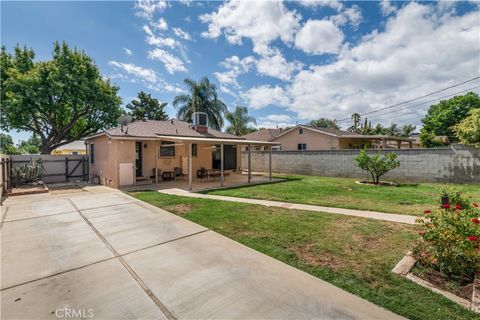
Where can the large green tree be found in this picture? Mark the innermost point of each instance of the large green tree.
(32, 145)
(147, 108)
(201, 97)
(6, 144)
(60, 100)
(324, 123)
(239, 120)
(468, 130)
(443, 116)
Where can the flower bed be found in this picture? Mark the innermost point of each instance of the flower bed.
(447, 255)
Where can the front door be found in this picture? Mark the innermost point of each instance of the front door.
(138, 159)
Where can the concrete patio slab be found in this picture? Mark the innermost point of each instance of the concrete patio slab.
(40, 247)
(90, 201)
(105, 290)
(29, 208)
(210, 276)
(133, 226)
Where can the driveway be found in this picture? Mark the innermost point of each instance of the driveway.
(105, 255)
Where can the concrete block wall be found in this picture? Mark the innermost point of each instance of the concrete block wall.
(455, 164)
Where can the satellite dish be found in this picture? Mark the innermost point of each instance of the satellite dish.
(124, 121)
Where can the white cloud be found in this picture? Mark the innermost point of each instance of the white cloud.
(182, 34)
(352, 15)
(128, 51)
(386, 7)
(319, 37)
(146, 8)
(139, 72)
(334, 4)
(172, 63)
(275, 121)
(158, 40)
(235, 67)
(278, 118)
(277, 66)
(260, 21)
(263, 96)
(419, 52)
(161, 25)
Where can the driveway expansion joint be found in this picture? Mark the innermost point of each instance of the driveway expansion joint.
(132, 272)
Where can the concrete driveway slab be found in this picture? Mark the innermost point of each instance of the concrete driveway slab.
(210, 276)
(133, 226)
(105, 290)
(40, 247)
(29, 208)
(89, 201)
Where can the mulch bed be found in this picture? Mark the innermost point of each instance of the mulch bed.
(28, 189)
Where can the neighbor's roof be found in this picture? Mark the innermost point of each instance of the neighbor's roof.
(151, 129)
(75, 145)
(342, 134)
(263, 134)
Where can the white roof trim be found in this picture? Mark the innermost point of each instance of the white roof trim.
(304, 127)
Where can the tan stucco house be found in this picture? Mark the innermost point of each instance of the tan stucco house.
(303, 137)
(156, 150)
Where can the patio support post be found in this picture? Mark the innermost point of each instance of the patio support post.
(190, 167)
(384, 143)
(270, 163)
(221, 165)
(249, 162)
(410, 144)
(155, 159)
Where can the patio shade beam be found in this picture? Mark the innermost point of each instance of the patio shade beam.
(249, 162)
(190, 167)
(221, 165)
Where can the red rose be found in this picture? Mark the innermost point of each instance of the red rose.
(472, 238)
(458, 207)
(476, 220)
(427, 211)
(446, 206)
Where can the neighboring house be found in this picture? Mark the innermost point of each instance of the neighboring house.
(302, 137)
(151, 149)
(263, 135)
(417, 144)
(75, 147)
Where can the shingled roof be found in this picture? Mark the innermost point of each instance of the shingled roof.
(154, 129)
(263, 134)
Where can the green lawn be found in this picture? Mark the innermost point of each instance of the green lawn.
(356, 254)
(410, 199)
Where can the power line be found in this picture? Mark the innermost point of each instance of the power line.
(414, 99)
(375, 117)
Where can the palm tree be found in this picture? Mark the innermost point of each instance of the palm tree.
(201, 97)
(239, 120)
(356, 121)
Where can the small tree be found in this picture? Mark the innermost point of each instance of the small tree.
(376, 164)
(468, 131)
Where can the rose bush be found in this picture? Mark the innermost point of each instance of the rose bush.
(450, 239)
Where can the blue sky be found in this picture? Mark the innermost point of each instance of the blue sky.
(288, 62)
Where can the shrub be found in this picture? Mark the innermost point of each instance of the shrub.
(377, 165)
(450, 241)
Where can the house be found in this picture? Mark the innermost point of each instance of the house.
(303, 137)
(73, 148)
(417, 144)
(263, 135)
(159, 150)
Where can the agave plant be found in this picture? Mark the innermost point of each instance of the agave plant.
(17, 175)
(33, 171)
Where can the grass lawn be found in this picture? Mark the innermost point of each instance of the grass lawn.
(353, 253)
(410, 199)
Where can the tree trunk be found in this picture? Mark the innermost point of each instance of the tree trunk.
(46, 149)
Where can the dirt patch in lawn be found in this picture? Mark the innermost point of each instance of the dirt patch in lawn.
(180, 209)
(308, 255)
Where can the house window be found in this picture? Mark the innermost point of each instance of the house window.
(74, 153)
(302, 146)
(300, 131)
(194, 149)
(167, 149)
(92, 153)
